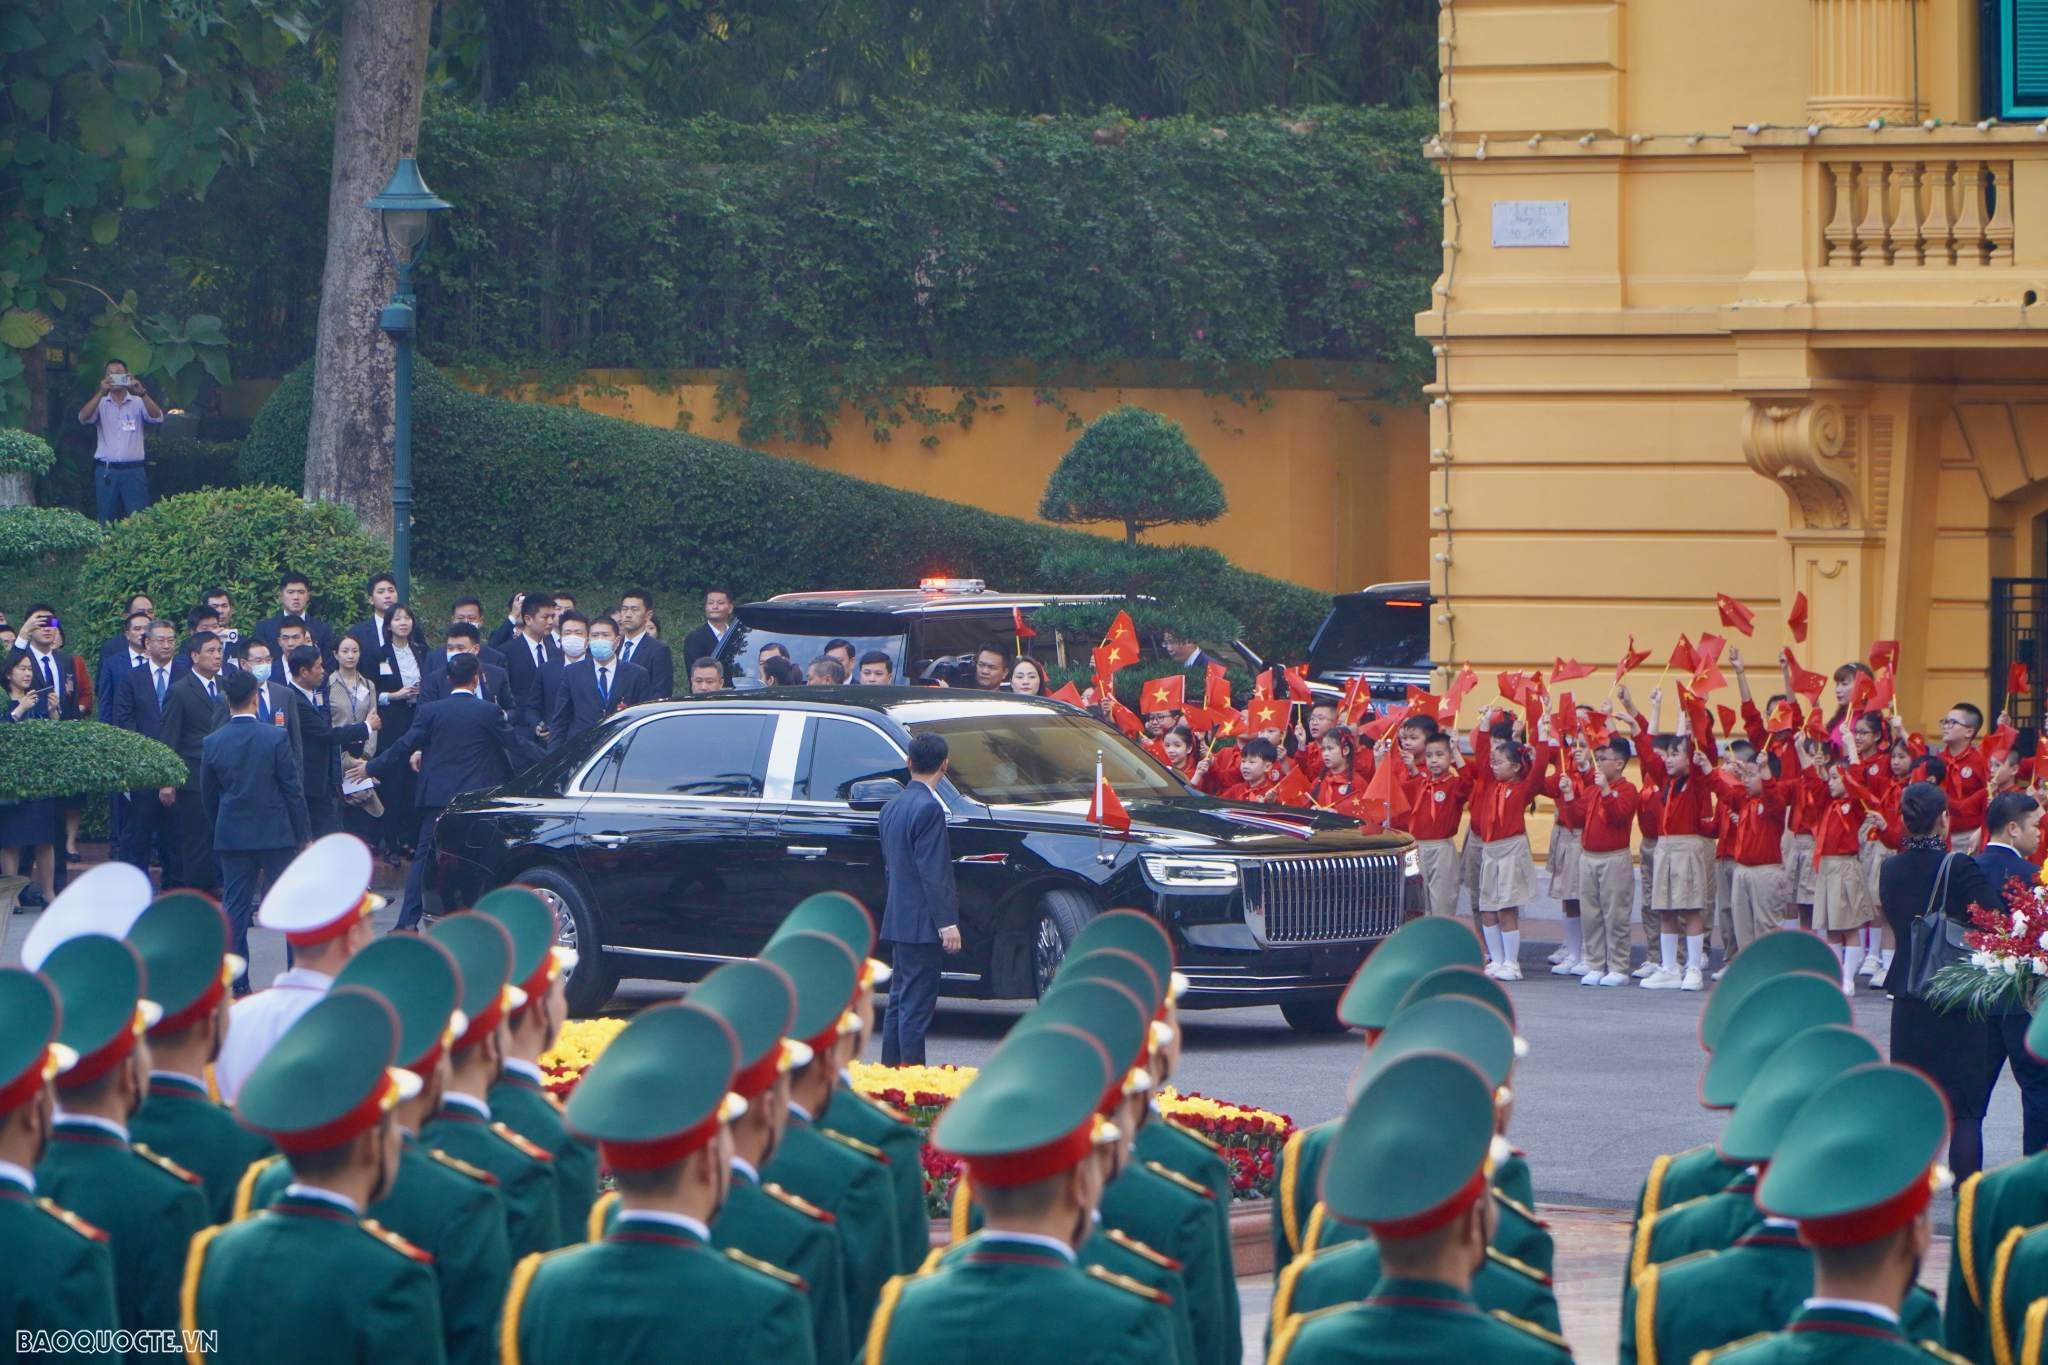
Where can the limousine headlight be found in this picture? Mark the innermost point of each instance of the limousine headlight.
(1207, 874)
(1411, 862)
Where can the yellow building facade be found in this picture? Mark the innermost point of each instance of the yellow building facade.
(1737, 298)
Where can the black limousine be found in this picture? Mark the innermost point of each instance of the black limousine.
(676, 835)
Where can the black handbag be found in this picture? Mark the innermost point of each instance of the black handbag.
(1937, 939)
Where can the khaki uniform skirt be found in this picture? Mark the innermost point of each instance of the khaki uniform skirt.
(1873, 856)
(1564, 863)
(1842, 894)
(1684, 879)
(1507, 874)
(1800, 873)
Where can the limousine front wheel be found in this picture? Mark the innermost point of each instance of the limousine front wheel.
(590, 983)
(1060, 917)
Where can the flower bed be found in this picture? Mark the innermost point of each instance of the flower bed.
(1249, 1138)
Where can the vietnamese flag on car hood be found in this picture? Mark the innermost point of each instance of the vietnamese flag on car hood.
(1105, 808)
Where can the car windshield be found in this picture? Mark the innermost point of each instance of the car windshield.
(803, 647)
(1373, 632)
(1012, 758)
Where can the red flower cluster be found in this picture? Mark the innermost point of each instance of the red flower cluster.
(1995, 933)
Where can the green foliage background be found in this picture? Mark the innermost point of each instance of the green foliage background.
(1136, 467)
(47, 758)
(30, 533)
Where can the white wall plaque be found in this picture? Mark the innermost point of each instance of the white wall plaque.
(1532, 222)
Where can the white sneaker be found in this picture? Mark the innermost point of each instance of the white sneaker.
(1557, 955)
(1614, 979)
(1649, 968)
(1592, 978)
(1692, 980)
(1718, 975)
(1662, 980)
(1509, 971)
(1869, 968)
(1849, 988)
(1492, 969)
(1877, 977)
(1569, 967)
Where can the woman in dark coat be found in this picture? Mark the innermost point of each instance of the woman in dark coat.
(1960, 1054)
(400, 668)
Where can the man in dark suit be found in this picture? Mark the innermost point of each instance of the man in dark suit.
(921, 917)
(595, 686)
(118, 657)
(2012, 831)
(470, 611)
(463, 639)
(526, 654)
(501, 637)
(254, 804)
(274, 704)
(294, 594)
(382, 594)
(703, 642)
(137, 703)
(1184, 652)
(639, 645)
(54, 669)
(193, 709)
(459, 744)
(323, 740)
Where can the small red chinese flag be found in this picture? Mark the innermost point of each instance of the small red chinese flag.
(1378, 729)
(1683, 660)
(1861, 693)
(1120, 715)
(1105, 808)
(1514, 685)
(1795, 620)
(1216, 690)
(1696, 713)
(1883, 693)
(1885, 654)
(1729, 718)
(1566, 719)
(2001, 742)
(1387, 790)
(1630, 660)
(1709, 678)
(1709, 651)
(1296, 679)
(1569, 670)
(1816, 728)
(1017, 626)
(1734, 614)
(1068, 694)
(1357, 700)
(1807, 685)
(1293, 790)
(1166, 694)
(2017, 681)
(1461, 687)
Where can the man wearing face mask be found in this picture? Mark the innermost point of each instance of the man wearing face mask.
(544, 695)
(274, 705)
(61, 1275)
(597, 686)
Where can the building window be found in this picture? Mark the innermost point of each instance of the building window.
(2016, 58)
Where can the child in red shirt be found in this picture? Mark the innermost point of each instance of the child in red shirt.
(1873, 769)
(1842, 903)
(1182, 752)
(1968, 782)
(1308, 740)
(1753, 793)
(1345, 767)
(1436, 805)
(1684, 877)
(1606, 809)
(1508, 776)
(1571, 771)
(1261, 777)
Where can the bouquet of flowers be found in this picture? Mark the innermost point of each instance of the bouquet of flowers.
(2008, 956)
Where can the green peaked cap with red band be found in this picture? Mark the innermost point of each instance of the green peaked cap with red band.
(330, 1077)
(757, 1001)
(1106, 1012)
(1413, 951)
(28, 1033)
(184, 942)
(1135, 932)
(1412, 1152)
(658, 1091)
(1127, 969)
(1788, 1078)
(483, 956)
(836, 915)
(418, 978)
(1031, 1111)
(1456, 1024)
(1771, 955)
(1857, 1162)
(100, 983)
(1775, 1011)
(826, 977)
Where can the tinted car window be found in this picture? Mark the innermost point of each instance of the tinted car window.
(1006, 757)
(802, 649)
(697, 756)
(839, 753)
(1373, 632)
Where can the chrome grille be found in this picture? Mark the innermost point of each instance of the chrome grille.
(1340, 898)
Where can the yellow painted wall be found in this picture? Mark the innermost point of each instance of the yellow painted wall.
(1325, 489)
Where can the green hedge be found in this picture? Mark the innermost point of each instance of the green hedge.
(24, 452)
(845, 261)
(177, 464)
(240, 539)
(28, 534)
(555, 495)
(42, 759)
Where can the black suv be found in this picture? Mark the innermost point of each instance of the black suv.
(930, 633)
(1380, 633)
(676, 835)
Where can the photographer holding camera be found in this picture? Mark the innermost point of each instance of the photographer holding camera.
(120, 408)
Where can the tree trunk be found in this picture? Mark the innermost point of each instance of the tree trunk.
(376, 121)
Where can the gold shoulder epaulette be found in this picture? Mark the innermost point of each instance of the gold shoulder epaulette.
(1965, 1246)
(526, 1146)
(865, 1149)
(163, 1162)
(1518, 1206)
(245, 1188)
(1500, 1258)
(1191, 1186)
(71, 1220)
(1129, 1285)
(1720, 1351)
(1653, 1186)
(1942, 1353)
(797, 1202)
(1524, 1325)
(457, 1164)
(593, 1226)
(1140, 1249)
(1202, 1138)
(1283, 1336)
(788, 1277)
(398, 1244)
(934, 1259)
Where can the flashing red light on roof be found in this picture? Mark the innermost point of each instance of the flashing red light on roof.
(1404, 602)
(951, 585)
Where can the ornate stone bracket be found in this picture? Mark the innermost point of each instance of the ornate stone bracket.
(1810, 447)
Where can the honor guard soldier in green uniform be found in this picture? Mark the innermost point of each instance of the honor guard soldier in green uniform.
(446, 1207)
(1991, 1206)
(1700, 1171)
(844, 1176)
(1410, 1163)
(60, 1274)
(310, 1279)
(149, 1205)
(1463, 1026)
(2014, 1278)
(1410, 953)
(1771, 1015)
(1014, 1294)
(1855, 1169)
(464, 1126)
(850, 1113)
(183, 940)
(520, 1097)
(655, 1290)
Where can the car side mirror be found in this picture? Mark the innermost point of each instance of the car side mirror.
(874, 793)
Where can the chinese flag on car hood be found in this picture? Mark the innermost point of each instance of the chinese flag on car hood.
(1105, 808)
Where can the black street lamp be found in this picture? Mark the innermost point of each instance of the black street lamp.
(405, 213)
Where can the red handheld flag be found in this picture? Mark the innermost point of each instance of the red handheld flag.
(1119, 648)
(1265, 713)
(2017, 682)
(1885, 654)
(1807, 685)
(1735, 615)
(1461, 687)
(1565, 721)
(1120, 715)
(1784, 717)
(1795, 620)
(1104, 807)
(1702, 722)
(1861, 693)
(2001, 742)
(1067, 693)
(1387, 790)
(1216, 689)
(1422, 703)
(1226, 724)
(1709, 678)
(1262, 684)
(1683, 660)
(1356, 701)
(1377, 730)
(1569, 670)
(1515, 686)
(1166, 694)
(1017, 626)
(1631, 659)
(1298, 689)
(1293, 790)
(1108, 658)
(1882, 695)
(1816, 728)
(1729, 719)
(1709, 651)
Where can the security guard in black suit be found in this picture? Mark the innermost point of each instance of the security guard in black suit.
(255, 803)
(193, 709)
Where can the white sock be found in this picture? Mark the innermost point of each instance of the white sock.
(1491, 932)
(1667, 952)
(1696, 951)
(1511, 944)
(1574, 939)
(1852, 958)
(1871, 939)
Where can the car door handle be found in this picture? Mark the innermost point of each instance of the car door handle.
(609, 840)
(804, 850)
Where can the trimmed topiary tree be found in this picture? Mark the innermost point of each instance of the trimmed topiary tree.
(274, 451)
(32, 534)
(23, 456)
(239, 539)
(1134, 466)
(45, 759)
